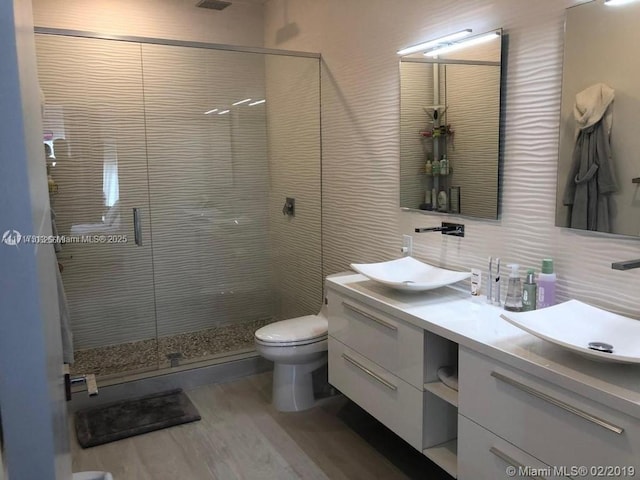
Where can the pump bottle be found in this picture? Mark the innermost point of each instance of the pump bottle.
(546, 285)
(513, 302)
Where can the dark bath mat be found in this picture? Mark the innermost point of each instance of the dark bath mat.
(126, 418)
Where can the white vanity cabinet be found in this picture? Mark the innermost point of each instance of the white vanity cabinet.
(483, 455)
(548, 422)
(388, 367)
(524, 409)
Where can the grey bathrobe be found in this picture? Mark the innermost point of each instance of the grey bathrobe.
(591, 180)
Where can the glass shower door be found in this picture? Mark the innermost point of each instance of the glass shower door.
(94, 134)
(231, 135)
(209, 185)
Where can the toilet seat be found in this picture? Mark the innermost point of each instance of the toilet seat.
(299, 343)
(293, 332)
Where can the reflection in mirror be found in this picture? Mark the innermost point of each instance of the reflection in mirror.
(450, 126)
(599, 159)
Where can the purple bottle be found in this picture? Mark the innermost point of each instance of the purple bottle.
(546, 285)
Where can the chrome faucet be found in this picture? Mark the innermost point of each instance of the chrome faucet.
(455, 229)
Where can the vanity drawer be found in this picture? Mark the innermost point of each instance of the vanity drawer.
(553, 424)
(394, 345)
(485, 456)
(392, 401)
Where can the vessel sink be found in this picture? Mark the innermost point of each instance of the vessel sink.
(589, 331)
(409, 274)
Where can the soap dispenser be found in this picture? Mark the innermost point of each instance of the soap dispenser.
(513, 302)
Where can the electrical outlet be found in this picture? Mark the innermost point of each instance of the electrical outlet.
(407, 245)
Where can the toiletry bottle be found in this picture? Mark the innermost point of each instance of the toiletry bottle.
(513, 302)
(444, 165)
(529, 292)
(476, 282)
(435, 167)
(546, 285)
(427, 168)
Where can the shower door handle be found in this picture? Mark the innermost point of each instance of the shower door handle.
(137, 229)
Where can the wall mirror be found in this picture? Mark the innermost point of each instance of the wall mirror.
(599, 153)
(450, 126)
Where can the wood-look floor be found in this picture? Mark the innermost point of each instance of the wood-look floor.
(241, 436)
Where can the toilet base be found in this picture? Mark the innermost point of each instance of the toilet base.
(293, 385)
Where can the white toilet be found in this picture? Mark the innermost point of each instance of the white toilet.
(297, 347)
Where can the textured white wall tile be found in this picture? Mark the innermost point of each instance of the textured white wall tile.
(293, 119)
(360, 111)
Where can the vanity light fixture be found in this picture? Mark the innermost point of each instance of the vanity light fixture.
(433, 43)
(223, 112)
(241, 102)
(211, 111)
(463, 44)
(614, 3)
(258, 102)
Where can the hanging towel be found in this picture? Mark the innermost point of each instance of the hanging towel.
(591, 179)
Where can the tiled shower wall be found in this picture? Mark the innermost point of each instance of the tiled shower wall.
(293, 123)
(360, 140)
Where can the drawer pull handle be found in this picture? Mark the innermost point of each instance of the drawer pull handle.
(558, 403)
(375, 376)
(510, 460)
(379, 321)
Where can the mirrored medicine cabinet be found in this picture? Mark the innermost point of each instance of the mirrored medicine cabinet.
(450, 106)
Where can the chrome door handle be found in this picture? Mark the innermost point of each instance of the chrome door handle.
(375, 376)
(368, 316)
(559, 403)
(137, 228)
(511, 461)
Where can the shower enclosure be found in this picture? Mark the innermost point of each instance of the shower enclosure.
(169, 164)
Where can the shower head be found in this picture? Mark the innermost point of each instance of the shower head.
(213, 4)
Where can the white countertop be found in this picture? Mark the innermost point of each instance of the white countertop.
(469, 321)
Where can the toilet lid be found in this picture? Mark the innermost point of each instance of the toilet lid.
(294, 330)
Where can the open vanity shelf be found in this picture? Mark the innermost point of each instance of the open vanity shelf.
(440, 390)
(390, 368)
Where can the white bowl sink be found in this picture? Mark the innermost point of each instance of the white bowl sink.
(580, 328)
(409, 274)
